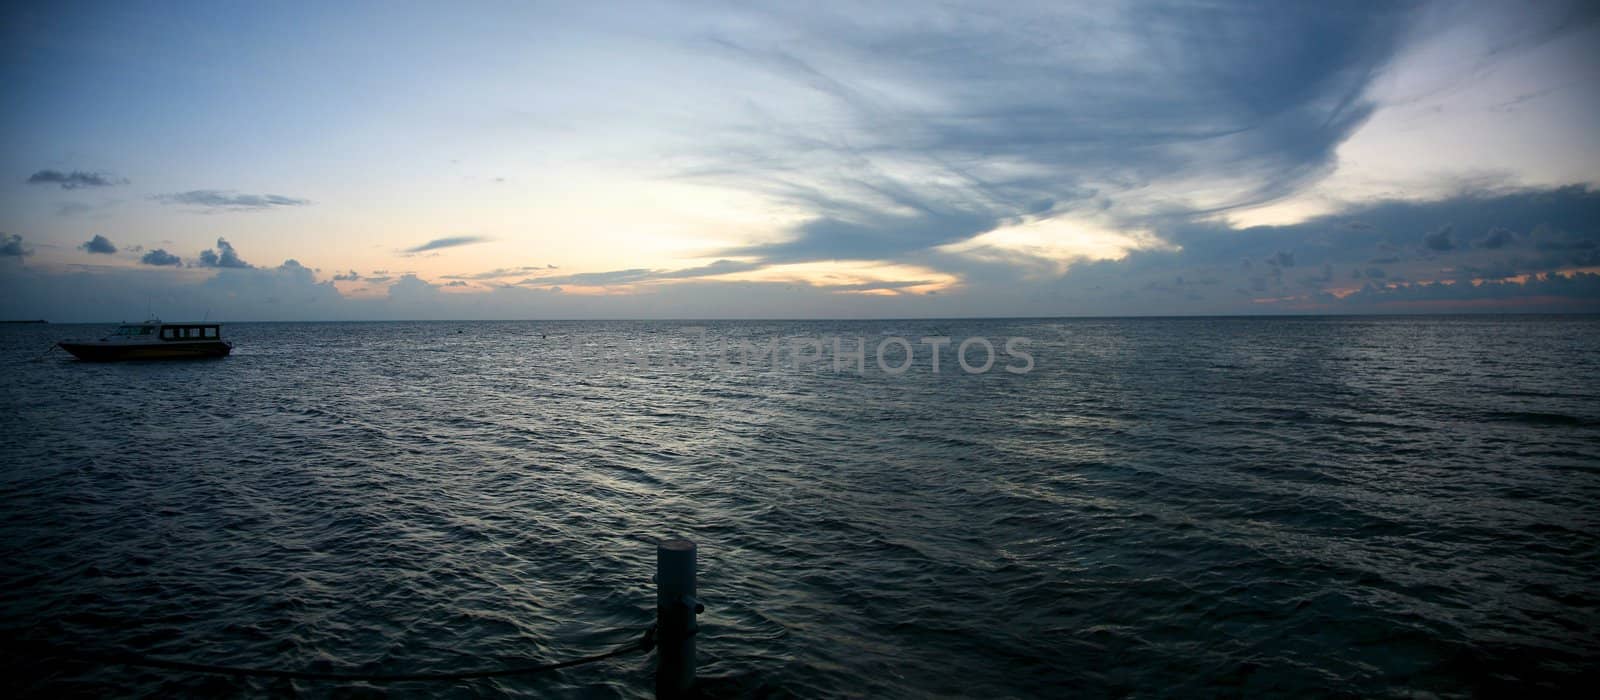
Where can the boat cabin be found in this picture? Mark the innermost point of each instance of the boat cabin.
(191, 331)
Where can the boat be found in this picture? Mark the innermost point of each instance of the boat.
(153, 340)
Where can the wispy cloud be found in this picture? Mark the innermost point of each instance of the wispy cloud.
(502, 272)
(637, 275)
(229, 200)
(449, 242)
(932, 133)
(99, 244)
(76, 179)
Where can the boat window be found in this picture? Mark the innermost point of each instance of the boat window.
(193, 332)
(169, 333)
(211, 332)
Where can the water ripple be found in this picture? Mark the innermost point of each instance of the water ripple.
(1373, 507)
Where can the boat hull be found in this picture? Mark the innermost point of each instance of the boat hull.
(112, 352)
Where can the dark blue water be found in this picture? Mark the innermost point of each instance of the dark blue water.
(1335, 506)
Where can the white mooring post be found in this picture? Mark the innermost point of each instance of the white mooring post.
(676, 607)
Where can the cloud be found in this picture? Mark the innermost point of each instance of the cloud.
(1496, 239)
(223, 256)
(926, 134)
(99, 244)
(449, 242)
(11, 246)
(1244, 270)
(228, 200)
(499, 273)
(411, 289)
(1574, 291)
(161, 257)
(1439, 240)
(351, 276)
(288, 291)
(872, 286)
(596, 279)
(74, 180)
(639, 274)
(1202, 273)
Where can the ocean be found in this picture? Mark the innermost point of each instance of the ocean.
(1297, 506)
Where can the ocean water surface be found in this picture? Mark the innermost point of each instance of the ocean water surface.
(1160, 507)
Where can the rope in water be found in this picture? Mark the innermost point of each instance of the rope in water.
(645, 644)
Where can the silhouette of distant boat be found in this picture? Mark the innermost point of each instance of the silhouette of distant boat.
(153, 340)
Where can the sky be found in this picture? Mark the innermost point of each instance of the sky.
(394, 160)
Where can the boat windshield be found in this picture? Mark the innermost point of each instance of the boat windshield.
(135, 330)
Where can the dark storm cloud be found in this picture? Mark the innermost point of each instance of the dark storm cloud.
(11, 246)
(1198, 96)
(1440, 240)
(449, 242)
(223, 256)
(223, 199)
(99, 244)
(76, 179)
(161, 257)
(1496, 239)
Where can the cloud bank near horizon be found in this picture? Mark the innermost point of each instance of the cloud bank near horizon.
(1535, 250)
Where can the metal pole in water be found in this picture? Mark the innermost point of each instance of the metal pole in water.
(676, 607)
